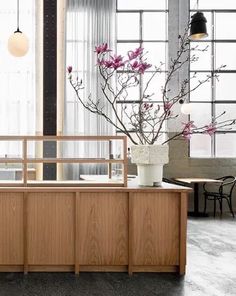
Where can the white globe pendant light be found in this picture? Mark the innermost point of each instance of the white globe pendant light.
(18, 43)
(186, 108)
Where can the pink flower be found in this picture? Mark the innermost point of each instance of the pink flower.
(143, 67)
(69, 69)
(108, 64)
(117, 62)
(188, 130)
(167, 106)
(117, 59)
(187, 134)
(135, 65)
(134, 54)
(102, 48)
(210, 129)
(189, 125)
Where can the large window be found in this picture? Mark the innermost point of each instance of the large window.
(17, 77)
(218, 95)
(143, 23)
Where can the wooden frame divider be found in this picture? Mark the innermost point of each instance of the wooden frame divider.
(25, 160)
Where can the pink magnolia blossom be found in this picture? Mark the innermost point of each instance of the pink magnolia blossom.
(143, 67)
(188, 130)
(102, 48)
(189, 125)
(117, 61)
(167, 106)
(210, 129)
(134, 54)
(187, 135)
(108, 64)
(135, 65)
(69, 69)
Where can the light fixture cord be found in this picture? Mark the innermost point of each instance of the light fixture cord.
(18, 18)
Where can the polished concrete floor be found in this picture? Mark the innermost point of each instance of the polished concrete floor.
(211, 271)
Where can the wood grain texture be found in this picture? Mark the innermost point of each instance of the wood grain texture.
(156, 231)
(103, 229)
(183, 232)
(25, 231)
(11, 229)
(131, 231)
(50, 229)
(76, 233)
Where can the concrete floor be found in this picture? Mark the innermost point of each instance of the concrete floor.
(211, 271)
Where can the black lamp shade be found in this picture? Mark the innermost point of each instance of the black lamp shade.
(198, 29)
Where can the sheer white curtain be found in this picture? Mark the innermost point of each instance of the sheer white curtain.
(89, 23)
(17, 77)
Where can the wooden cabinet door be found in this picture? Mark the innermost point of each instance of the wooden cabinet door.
(103, 228)
(11, 229)
(155, 228)
(50, 228)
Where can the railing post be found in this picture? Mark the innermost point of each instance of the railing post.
(110, 157)
(25, 162)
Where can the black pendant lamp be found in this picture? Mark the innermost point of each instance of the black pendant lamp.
(198, 29)
(18, 43)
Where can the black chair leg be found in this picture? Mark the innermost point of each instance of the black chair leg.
(231, 207)
(205, 204)
(220, 202)
(214, 206)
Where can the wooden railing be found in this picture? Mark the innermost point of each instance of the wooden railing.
(25, 160)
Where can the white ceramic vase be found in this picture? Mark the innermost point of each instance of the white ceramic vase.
(150, 160)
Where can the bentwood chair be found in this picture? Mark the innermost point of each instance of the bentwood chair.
(221, 191)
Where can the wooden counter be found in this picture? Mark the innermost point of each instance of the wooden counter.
(93, 229)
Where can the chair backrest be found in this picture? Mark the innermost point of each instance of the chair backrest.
(229, 182)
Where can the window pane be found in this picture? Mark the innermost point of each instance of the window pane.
(154, 26)
(141, 4)
(225, 85)
(203, 92)
(201, 114)
(128, 26)
(228, 59)
(156, 53)
(226, 145)
(203, 52)
(213, 4)
(225, 25)
(200, 146)
(155, 85)
(230, 112)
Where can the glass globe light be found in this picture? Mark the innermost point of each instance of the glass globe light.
(186, 108)
(18, 44)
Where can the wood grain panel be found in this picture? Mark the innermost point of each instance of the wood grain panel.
(156, 225)
(183, 232)
(103, 229)
(50, 229)
(11, 229)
